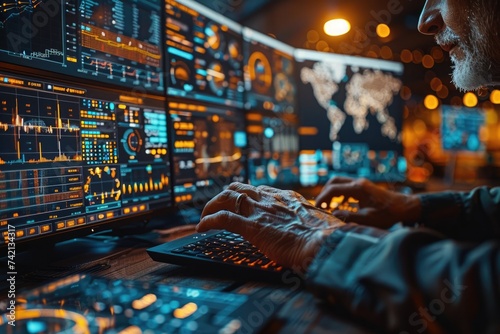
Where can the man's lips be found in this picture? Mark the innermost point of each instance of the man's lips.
(447, 47)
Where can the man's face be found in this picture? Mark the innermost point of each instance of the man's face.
(460, 28)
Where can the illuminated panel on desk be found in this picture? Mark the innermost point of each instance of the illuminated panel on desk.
(208, 148)
(204, 51)
(68, 158)
(111, 41)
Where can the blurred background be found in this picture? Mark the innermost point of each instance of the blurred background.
(387, 29)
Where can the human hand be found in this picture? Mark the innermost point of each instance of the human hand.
(281, 223)
(377, 206)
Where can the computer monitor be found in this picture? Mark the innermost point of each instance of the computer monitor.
(269, 73)
(111, 41)
(460, 129)
(273, 149)
(77, 159)
(208, 150)
(350, 110)
(204, 54)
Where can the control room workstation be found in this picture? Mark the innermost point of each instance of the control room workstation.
(119, 120)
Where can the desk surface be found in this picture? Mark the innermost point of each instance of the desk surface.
(126, 258)
(113, 257)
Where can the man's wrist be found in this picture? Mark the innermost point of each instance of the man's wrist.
(412, 210)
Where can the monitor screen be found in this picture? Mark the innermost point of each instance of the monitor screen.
(273, 149)
(460, 128)
(77, 158)
(111, 41)
(204, 54)
(351, 107)
(208, 150)
(269, 73)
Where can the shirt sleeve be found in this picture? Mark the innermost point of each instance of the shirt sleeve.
(410, 280)
(468, 216)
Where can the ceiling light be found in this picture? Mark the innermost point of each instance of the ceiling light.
(337, 27)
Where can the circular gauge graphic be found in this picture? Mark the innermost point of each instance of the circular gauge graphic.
(50, 321)
(273, 170)
(260, 72)
(179, 73)
(234, 52)
(214, 40)
(216, 78)
(132, 142)
(282, 87)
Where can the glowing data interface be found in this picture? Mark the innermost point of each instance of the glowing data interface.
(269, 73)
(273, 149)
(352, 109)
(356, 159)
(110, 41)
(73, 156)
(204, 52)
(208, 144)
(461, 127)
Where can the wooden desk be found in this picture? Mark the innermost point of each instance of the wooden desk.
(126, 258)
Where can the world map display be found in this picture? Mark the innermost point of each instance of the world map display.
(365, 92)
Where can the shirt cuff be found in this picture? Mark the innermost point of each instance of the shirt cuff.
(441, 211)
(337, 254)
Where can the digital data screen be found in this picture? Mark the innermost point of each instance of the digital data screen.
(351, 107)
(74, 155)
(204, 54)
(111, 41)
(273, 149)
(208, 150)
(461, 127)
(269, 73)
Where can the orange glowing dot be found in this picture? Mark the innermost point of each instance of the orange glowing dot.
(406, 56)
(495, 96)
(383, 30)
(431, 102)
(470, 100)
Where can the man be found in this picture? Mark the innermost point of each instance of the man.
(442, 276)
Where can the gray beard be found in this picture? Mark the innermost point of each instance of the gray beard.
(471, 73)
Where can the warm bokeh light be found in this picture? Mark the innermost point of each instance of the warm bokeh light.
(405, 93)
(312, 36)
(406, 56)
(419, 127)
(337, 27)
(436, 84)
(495, 96)
(417, 56)
(490, 117)
(437, 54)
(322, 46)
(428, 61)
(386, 52)
(470, 100)
(443, 92)
(383, 30)
(435, 118)
(431, 102)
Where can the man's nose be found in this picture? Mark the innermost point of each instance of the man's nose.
(431, 22)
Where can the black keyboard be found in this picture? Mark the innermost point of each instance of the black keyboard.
(85, 304)
(220, 251)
